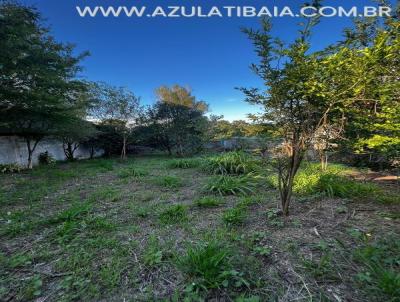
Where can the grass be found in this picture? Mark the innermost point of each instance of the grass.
(169, 182)
(184, 163)
(208, 202)
(230, 163)
(174, 214)
(231, 185)
(84, 231)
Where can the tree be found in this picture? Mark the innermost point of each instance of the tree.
(176, 121)
(116, 104)
(309, 92)
(37, 86)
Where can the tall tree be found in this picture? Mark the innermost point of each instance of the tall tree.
(38, 89)
(116, 104)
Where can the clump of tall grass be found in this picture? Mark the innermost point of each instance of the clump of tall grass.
(184, 163)
(174, 214)
(209, 266)
(236, 162)
(232, 185)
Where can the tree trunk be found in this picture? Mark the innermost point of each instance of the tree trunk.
(31, 149)
(323, 156)
(123, 153)
(91, 152)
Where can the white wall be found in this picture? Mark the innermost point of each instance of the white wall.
(13, 150)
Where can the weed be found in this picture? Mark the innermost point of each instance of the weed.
(231, 185)
(174, 214)
(322, 268)
(208, 202)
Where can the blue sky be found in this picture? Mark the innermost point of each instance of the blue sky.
(209, 55)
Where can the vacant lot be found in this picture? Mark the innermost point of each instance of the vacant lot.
(161, 229)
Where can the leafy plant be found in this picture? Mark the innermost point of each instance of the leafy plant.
(208, 202)
(153, 255)
(236, 162)
(174, 214)
(232, 185)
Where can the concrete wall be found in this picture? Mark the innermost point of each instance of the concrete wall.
(13, 150)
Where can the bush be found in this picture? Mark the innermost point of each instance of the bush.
(209, 266)
(230, 163)
(184, 163)
(208, 202)
(45, 158)
(231, 185)
(10, 168)
(174, 214)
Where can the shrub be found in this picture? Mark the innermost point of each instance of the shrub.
(184, 163)
(231, 185)
(132, 172)
(174, 214)
(234, 216)
(230, 163)
(45, 158)
(208, 202)
(168, 181)
(209, 266)
(10, 168)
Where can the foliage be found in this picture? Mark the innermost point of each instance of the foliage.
(45, 158)
(153, 254)
(175, 122)
(39, 95)
(236, 162)
(232, 185)
(10, 168)
(174, 214)
(115, 104)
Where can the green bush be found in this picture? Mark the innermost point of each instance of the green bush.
(208, 202)
(10, 168)
(209, 266)
(184, 163)
(45, 158)
(232, 185)
(230, 163)
(174, 214)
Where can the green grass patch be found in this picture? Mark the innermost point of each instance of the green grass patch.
(232, 185)
(170, 182)
(184, 163)
(236, 162)
(174, 214)
(208, 202)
